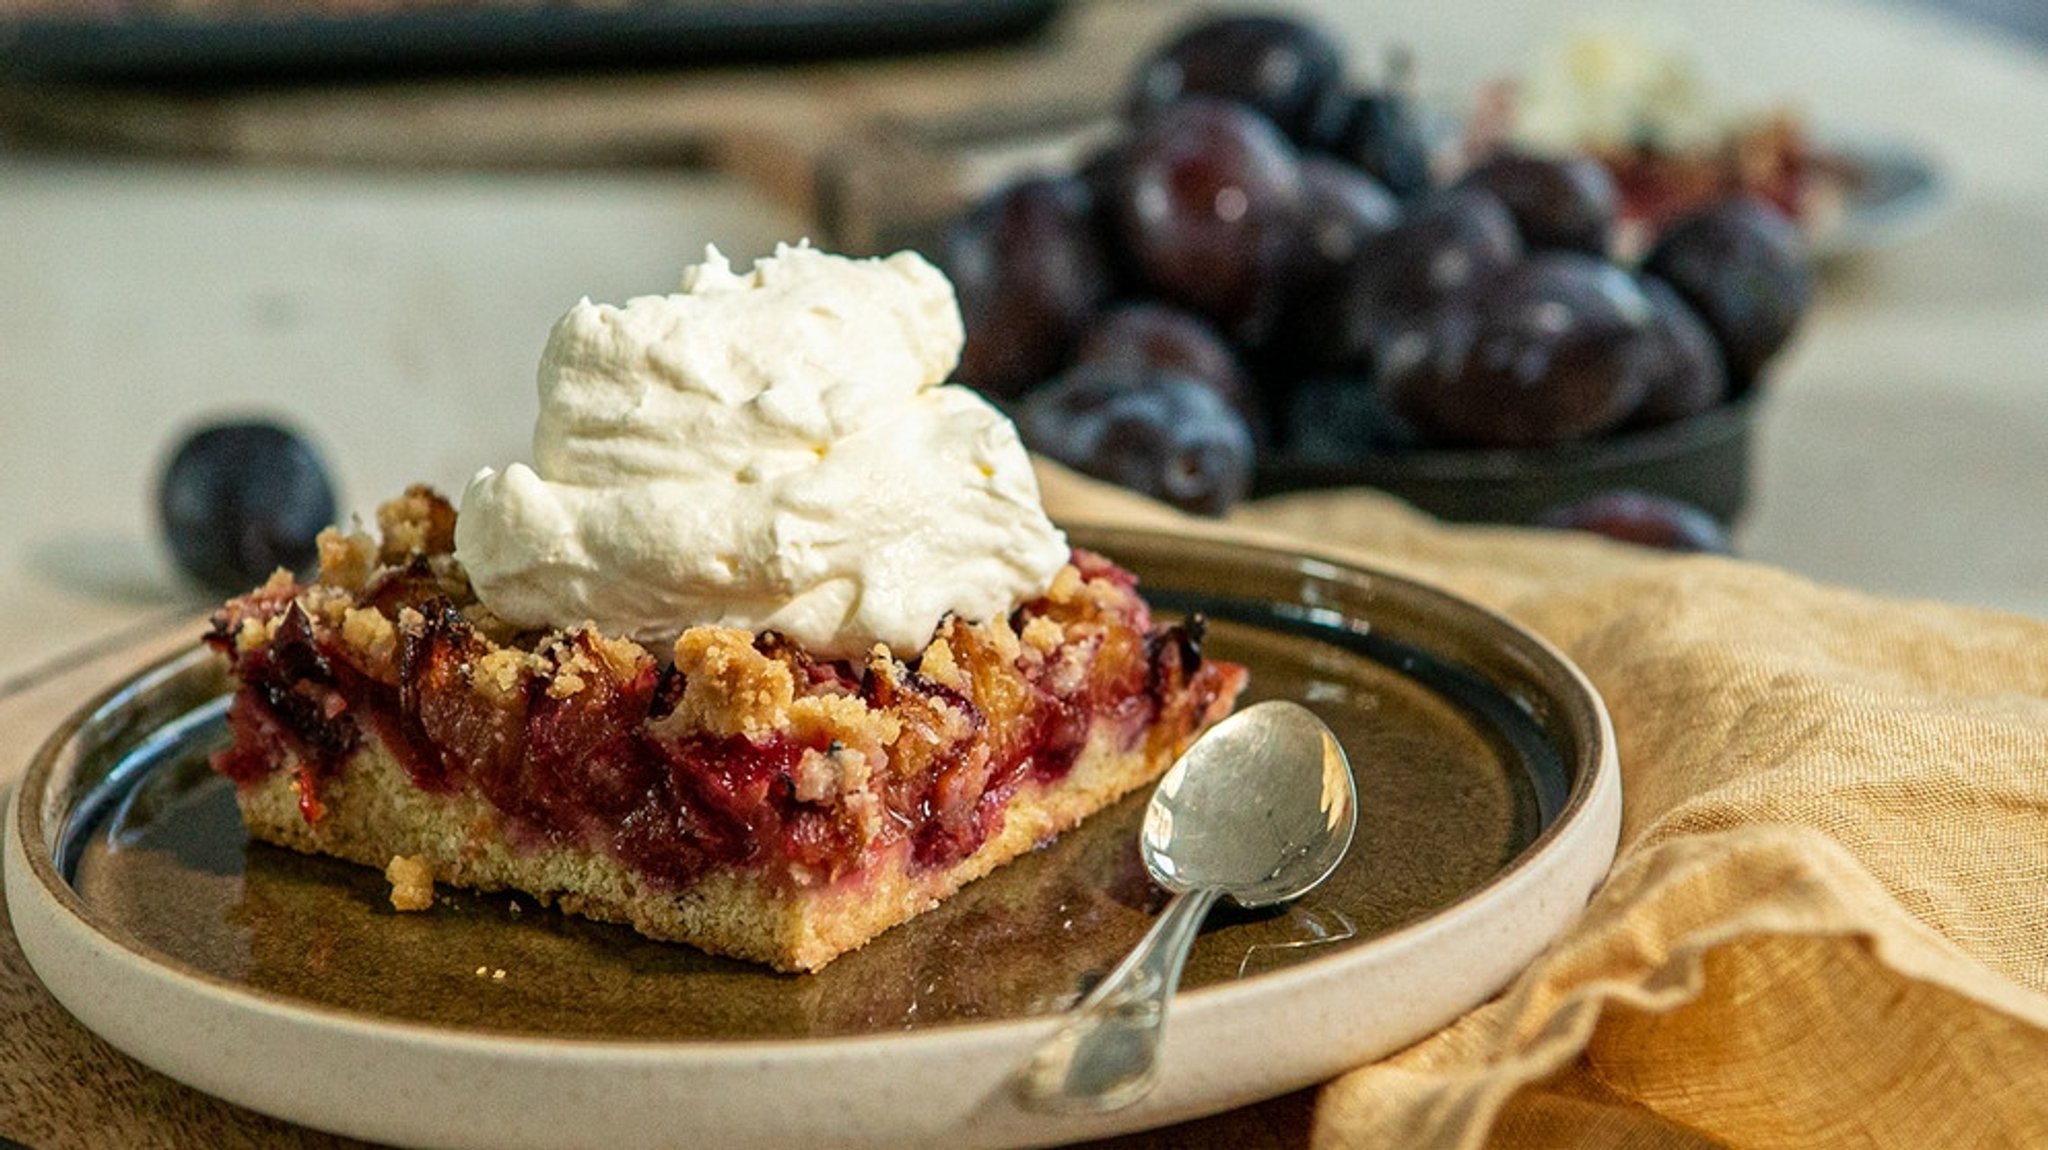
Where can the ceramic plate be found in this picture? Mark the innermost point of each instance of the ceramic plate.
(1490, 804)
(1890, 192)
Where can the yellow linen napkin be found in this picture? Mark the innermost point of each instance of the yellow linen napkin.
(1825, 925)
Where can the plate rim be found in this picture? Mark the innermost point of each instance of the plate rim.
(1866, 225)
(44, 904)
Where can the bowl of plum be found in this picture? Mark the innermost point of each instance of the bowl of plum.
(1272, 278)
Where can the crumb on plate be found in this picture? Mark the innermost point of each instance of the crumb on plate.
(412, 882)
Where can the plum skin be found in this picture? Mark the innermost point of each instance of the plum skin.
(240, 499)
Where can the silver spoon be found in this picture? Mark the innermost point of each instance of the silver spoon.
(1260, 808)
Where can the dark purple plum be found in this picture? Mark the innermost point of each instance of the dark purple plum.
(1743, 267)
(1337, 419)
(1282, 68)
(1132, 338)
(1417, 360)
(1099, 171)
(1379, 132)
(1445, 245)
(1547, 352)
(1683, 374)
(240, 499)
(1207, 208)
(1440, 249)
(1160, 433)
(1566, 202)
(1029, 268)
(1343, 209)
(1642, 518)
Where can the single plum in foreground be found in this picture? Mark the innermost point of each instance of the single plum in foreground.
(240, 499)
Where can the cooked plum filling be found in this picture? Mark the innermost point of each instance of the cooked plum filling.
(733, 751)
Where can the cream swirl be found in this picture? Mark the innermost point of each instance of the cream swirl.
(772, 451)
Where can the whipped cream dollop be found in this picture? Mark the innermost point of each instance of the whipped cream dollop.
(776, 450)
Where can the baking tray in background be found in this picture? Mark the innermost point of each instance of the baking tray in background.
(220, 42)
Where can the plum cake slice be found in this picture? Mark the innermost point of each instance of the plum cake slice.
(735, 793)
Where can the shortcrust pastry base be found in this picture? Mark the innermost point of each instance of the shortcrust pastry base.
(373, 812)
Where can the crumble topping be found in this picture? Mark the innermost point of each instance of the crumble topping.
(585, 656)
(830, 774)
(1002, 638)
(937, 665)
(844, 721)
(371, 633)
(256, 633)
(730, 688)
(1069, 669)
(500, 676)
(419, 522)
(346, 560)
(1065, 585)
(1042, 634)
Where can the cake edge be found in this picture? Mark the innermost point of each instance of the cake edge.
(374, 813)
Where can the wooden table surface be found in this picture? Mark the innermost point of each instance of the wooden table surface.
(395, 312)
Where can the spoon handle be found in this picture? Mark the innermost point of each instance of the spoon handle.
(1105, 1055)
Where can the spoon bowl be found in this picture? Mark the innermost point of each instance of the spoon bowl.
(1261, 808)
